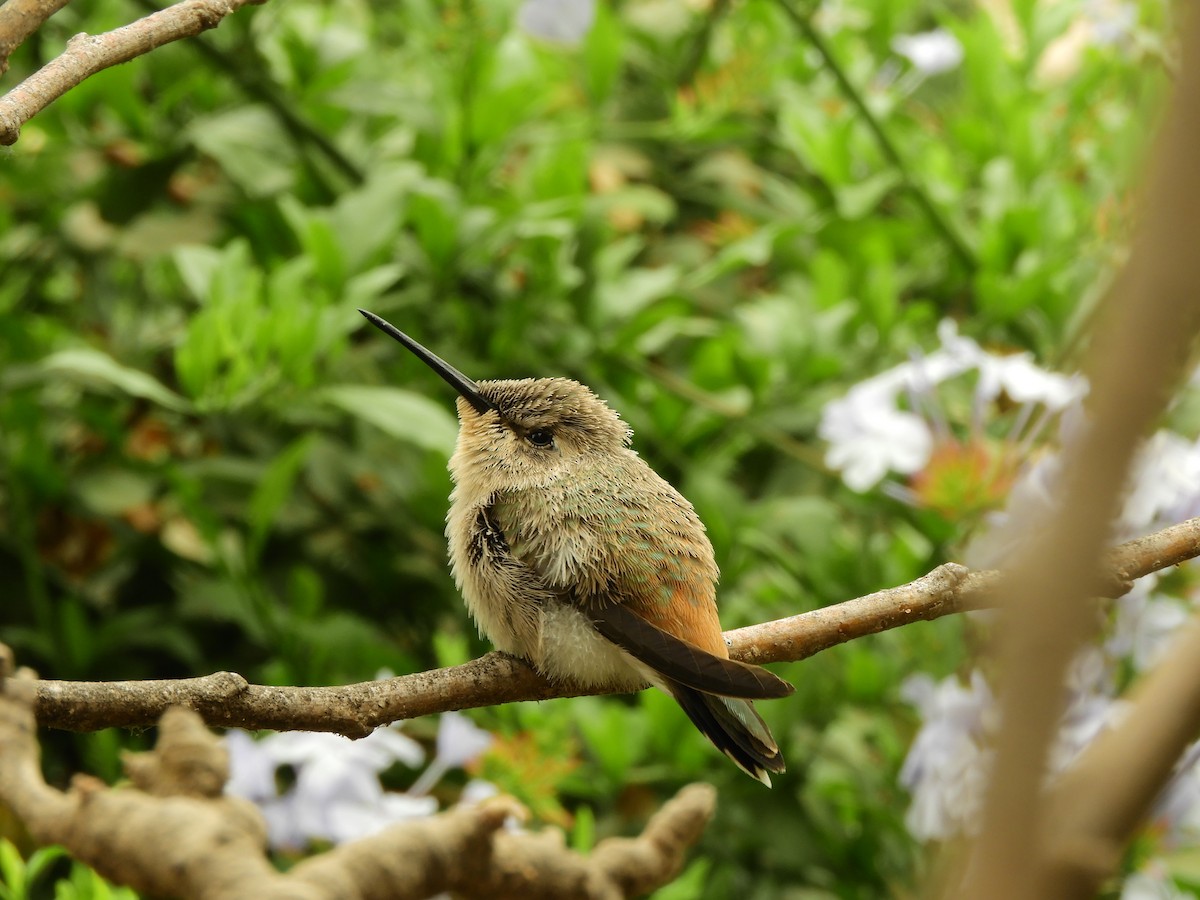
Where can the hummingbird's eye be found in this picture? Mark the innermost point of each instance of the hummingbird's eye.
(541, 437)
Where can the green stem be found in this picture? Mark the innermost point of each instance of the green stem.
(24, 530)
(698, 47)
(958, 246)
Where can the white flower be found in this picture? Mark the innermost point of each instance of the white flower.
(476, 791)
(348, 819)
(459, 742)
(1031, 499)
(1112, 23)
(1178, 806)
(1101, 23)
(1145, 624)
(930, 52)
(374, 753)
(1091, 707)
(869, 437)
(336, 795)
(560, 21)
(1019, 377)
(1165, 482)
(947, 766)
(337, 801)
(251, 768)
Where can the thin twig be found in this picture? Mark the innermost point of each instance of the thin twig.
(698, 46)
(19, 19)
(88, 54)
(355, 710)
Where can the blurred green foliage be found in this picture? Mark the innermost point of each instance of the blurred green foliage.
(210, 462)
(27, 879)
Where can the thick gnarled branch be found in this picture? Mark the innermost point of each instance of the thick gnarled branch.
(174, 832)
(354, 710)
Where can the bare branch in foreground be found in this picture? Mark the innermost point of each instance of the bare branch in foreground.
(174, 833)
(354, 710)
(1034, 843)
(1097, 804)
(88, 54)
(19, 19)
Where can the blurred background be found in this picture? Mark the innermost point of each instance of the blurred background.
(826, 260)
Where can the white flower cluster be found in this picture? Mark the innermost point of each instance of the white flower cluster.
(336, 795)
(948, 764)
(892, 425)
(891, 422)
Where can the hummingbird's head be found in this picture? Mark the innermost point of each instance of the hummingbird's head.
(521, 433)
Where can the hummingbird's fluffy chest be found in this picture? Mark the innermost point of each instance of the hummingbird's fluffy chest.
(519, 614)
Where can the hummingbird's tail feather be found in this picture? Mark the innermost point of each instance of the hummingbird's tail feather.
(735, 728)
(681, 660)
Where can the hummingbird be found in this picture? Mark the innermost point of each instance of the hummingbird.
(573, 554)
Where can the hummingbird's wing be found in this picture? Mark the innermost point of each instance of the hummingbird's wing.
(679, 659)
(635, 560)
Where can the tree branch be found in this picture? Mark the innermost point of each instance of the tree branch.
(19, 19)
(88, 54)
(355, 710)
(1097, 805)
(174, 832)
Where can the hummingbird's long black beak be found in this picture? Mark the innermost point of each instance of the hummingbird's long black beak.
(456, 379)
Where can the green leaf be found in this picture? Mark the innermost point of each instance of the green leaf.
(623, 297)
(369, 285)
(753, 250)
(583, 834)
(402, 414)
(111, 491)
(196, 266)
(148, 628)
(12, 871)
(860, 199)
(251, 147)
(434, 212)
(688, 885)
(602, 55)
(366, 221)
(94, 366)
(206, 600)
(41, 860)
(272, 491)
